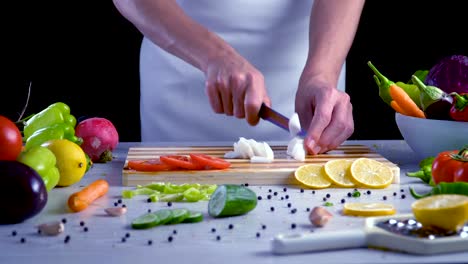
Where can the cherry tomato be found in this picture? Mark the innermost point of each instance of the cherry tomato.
(149, 165)
(11, 140)
(209, 162)
(180, 161)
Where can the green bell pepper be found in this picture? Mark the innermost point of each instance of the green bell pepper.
(55, 113)
(43, 161)
(55, 131)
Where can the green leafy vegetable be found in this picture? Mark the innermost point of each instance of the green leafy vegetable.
(169, 192)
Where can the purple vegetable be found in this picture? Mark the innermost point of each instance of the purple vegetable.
(450, 74)
(23, 193)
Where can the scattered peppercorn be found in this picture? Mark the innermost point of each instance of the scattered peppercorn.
(246, 184)
(119, 201)
(272, 209)
(324, 199)
(85, 229)
(64, 220)
(394, 194)
(307, 209)
(403, 196)
(218, 237)
(293, 211)
(174, 232)
(213, 230)
(286, 197)
(328, 195)
(384, 197)
(150, 242)
(284, 189)
(23, 240)
(349, 194)
(269, 196)
(149, 210)
(282, 198)
(368, 192)
(269, 190)
(67, 239)
(123, 239)
(123, 205)
(259, 198)
(231, 226)
(169, 204)
(343, 200)
(402, 190)
(14, 233)
(275, 193)
(170, 238)
(148, 200)
(263, 226)
(127, 235)
(302, 190)
(115, 204)
(289, 205)
(293, 225)
(313, 192)
(82, 223)
(258, 234)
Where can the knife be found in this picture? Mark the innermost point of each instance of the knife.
(276, 118)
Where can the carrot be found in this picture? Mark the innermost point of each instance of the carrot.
(82, 199)
(397, 107)
(405, 102)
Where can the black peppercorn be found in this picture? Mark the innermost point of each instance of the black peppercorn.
(403, 196)
(272, 209)
(148, 200)
(302, 190)
(119, 201)
(293, 211)
(218, 237)
(150, 242)
(343, 200)
(350, 194)
(275, 193)
(14, 233)
(169, 204)
(127, 235)
(269, 197)
(269, 190)
(328, 195)
(170, 238)
(258, 234)
(289, 205)
(64, 220)
(284, 189)
(293, 225)
(23, 240)
(259, 198)
(231, 226)
(67, 239)
(174, 232)
(213, 230)
(368, 192)
(286, 197)
(263, 226)
(308, 209)
(82, 223)
(385, 197)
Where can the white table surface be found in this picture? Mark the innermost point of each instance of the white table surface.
(195, 243)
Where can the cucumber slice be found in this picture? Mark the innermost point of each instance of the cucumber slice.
(231, 200)
(164, 215)
(178, 215)
(194, 217)
(146, 221)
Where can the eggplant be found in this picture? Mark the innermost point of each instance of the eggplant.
(24, 193)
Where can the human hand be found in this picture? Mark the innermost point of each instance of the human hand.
(235, 87)
(325, 113)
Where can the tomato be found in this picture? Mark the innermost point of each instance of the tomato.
(149, 165)
(180, 161)
(11, 140)
(210, 162)
(450, 166)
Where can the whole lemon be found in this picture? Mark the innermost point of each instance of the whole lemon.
(71, 160)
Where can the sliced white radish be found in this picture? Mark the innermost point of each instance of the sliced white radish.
(294, 125)
(249, 148)
(243, 148)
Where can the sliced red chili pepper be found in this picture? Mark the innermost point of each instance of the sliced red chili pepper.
(180, 161)
(149, 165)
(209, 162)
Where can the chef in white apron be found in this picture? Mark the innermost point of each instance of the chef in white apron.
(182, 96)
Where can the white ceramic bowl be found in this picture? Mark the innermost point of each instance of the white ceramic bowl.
(428, 137)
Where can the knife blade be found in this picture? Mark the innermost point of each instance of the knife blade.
(276, 118)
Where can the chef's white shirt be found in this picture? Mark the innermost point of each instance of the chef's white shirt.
(271, 34)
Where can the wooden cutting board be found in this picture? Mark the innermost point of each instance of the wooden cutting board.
(279, 172)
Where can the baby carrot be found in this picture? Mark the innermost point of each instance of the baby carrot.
(405, 102)
(82, 199)
(397, 107)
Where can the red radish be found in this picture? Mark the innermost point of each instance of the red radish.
(99, 138)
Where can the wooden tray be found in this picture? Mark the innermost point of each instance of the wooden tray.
(279, 172)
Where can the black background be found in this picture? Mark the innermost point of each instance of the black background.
(86, 55)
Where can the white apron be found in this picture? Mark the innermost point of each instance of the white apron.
(270, 34)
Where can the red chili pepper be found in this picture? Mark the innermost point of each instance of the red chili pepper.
(459, 109)
(451, 166)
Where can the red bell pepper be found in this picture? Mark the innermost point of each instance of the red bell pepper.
(459, 109)
(451, 166)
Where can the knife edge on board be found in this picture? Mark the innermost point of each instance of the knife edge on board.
(276, 118)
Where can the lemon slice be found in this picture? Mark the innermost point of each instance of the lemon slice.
(368, 209)
(312, 175)
(371, 173)
(338, 171)
(445, 211)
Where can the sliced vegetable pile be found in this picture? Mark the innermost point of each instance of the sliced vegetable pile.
(169, 192)
(439, 93)
(166, 217)
(193, 161)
